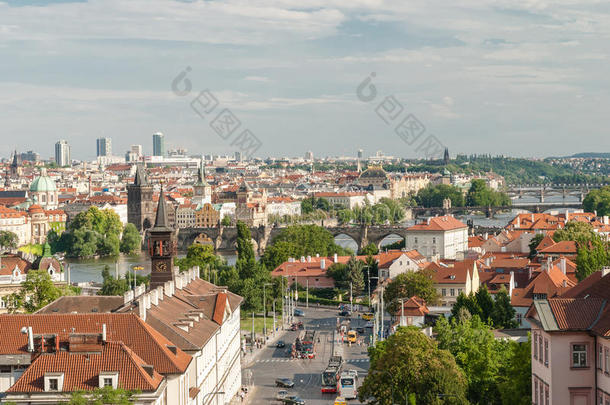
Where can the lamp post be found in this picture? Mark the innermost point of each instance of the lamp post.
(265, 310)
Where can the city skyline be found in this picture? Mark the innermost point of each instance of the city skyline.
(290, 73)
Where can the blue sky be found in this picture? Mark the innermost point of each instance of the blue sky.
(522, 78)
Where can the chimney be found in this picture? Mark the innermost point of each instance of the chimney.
(30, 340)
(532, 218)
(518, 222)
(428, 221)
(154, 295)
(149, 369)
(549, 263)
(302, 259)
(142, 307)
(308, 259)
(605, 271)
(291, 260)
(103, 332)
(488, 261)
(606, 220)
(335, 257)
(562, 264)
(486, 236)
(322, 264)
(160, 293)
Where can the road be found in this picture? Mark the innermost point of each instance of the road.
(306, 374)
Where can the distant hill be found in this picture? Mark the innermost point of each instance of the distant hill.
(594, 155)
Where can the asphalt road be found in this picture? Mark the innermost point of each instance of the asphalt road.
(275, 363)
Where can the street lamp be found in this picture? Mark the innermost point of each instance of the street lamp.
(265, 310)
(212, 393)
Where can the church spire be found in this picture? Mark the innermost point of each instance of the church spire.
(161, 220)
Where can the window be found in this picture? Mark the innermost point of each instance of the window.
(452, 292)
(519, 318)
(546, 352)
(579, 355)
(535, 392)
(53, 384)
(433, 240)
(444, 292)
(540, 348)
(108, 382)
(535, 346)
(606, 361)
(599, 357)
(546, 394)
(541, 394)
(600, 399)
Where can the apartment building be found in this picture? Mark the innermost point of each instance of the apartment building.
(443, 237)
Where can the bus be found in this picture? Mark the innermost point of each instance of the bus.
(308, 344)
(330, 376)
(348, 385)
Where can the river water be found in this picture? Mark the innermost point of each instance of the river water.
(90, 270)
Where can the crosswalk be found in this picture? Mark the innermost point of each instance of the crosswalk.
(286, 360)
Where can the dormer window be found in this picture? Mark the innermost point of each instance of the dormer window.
(109, 379)
(53, 382)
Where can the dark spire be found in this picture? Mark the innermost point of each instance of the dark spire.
(201, 174)
(161, 220)
(140, 179)
(446, 157)
(15, 163)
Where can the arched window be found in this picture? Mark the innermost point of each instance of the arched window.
(43, 198)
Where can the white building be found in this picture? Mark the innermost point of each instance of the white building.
(439, 237)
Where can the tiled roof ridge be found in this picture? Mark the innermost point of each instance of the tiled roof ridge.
(133, 356)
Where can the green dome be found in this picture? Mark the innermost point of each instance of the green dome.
(43, 183)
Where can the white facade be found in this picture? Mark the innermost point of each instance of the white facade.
(284, 208)
(438, 244)
(18, 225)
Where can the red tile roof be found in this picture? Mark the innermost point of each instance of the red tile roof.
(219, 308)
(443, 223)
(562, 247)
(81, 371)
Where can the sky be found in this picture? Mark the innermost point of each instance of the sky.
(513, 77)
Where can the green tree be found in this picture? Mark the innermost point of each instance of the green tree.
(481, 195)
(340, 273)
(433, 196)
(486, 304)
(8, 240)
(113, 286)
(408, 284)
(598, 201)
(369, 250)
(202, 256)
(300, 240)
(355, 274)
(503, 313)
(465, 307)
(92, 232)
(36, 291)
(410, 364)
(246, 261)
(515, 384)
(226, 220)
(534, 243)
(131, 240)
(478, 353)
(592, 250)
(102, 396)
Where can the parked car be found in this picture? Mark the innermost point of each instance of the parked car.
(369, 324)
(344, 313)
(360, 330)
(299, 312)
(280, 344)
(340, 401)
(368, 316)
(294, 326)
(293, 400)
(281, 395)
(284, 382)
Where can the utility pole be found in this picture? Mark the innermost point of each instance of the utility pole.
(351, 297)
(382, 311)
(368, 276)
(307, 294)
(265, 310)
(252, 338)
(402, 312)
(274, 317)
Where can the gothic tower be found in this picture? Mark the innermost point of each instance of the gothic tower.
(140, 205)
(446, 157)
(161, 247)
(202, 192)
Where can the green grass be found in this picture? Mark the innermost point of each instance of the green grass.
(246, 323)
(33, 249)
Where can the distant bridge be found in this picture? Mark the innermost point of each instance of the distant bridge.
(541, 191)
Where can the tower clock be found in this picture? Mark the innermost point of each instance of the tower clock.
(161, 247)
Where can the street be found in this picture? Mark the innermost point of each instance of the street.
(275, 363)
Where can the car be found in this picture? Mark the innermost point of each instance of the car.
(340, 401)
(344, 313)
(281, 395)
(294, 326)
(360, 330)
(368, 316)
(298, 312)
(293, 400)
(284, 382)
(353, 373)
(369, 324)
(280, 344)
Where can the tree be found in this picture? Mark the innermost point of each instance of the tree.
(202, 256)
(8, 240)
(478, 353)
(598, 201)
(485, 303)
(300, 240)
(433, 196)
(409, 363)
(246, 261)
(515, 384)
(102, 396)
(340, 273)
(481, 195)
(131, 240)
(592, 250)
(465, 307)
(226, 220)
(369, 250)
(113, 286)
(503, 313)
(92, 232)
(408, 284)
(497, 313)
(534, 242)
(36, 291)
(355, 274)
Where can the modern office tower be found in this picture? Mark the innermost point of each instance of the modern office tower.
(104, 147)
(62, 153)
(360, 153)
(309, 155)
(158, 144)
(136, 150)
(237, 156)
(30, 156)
